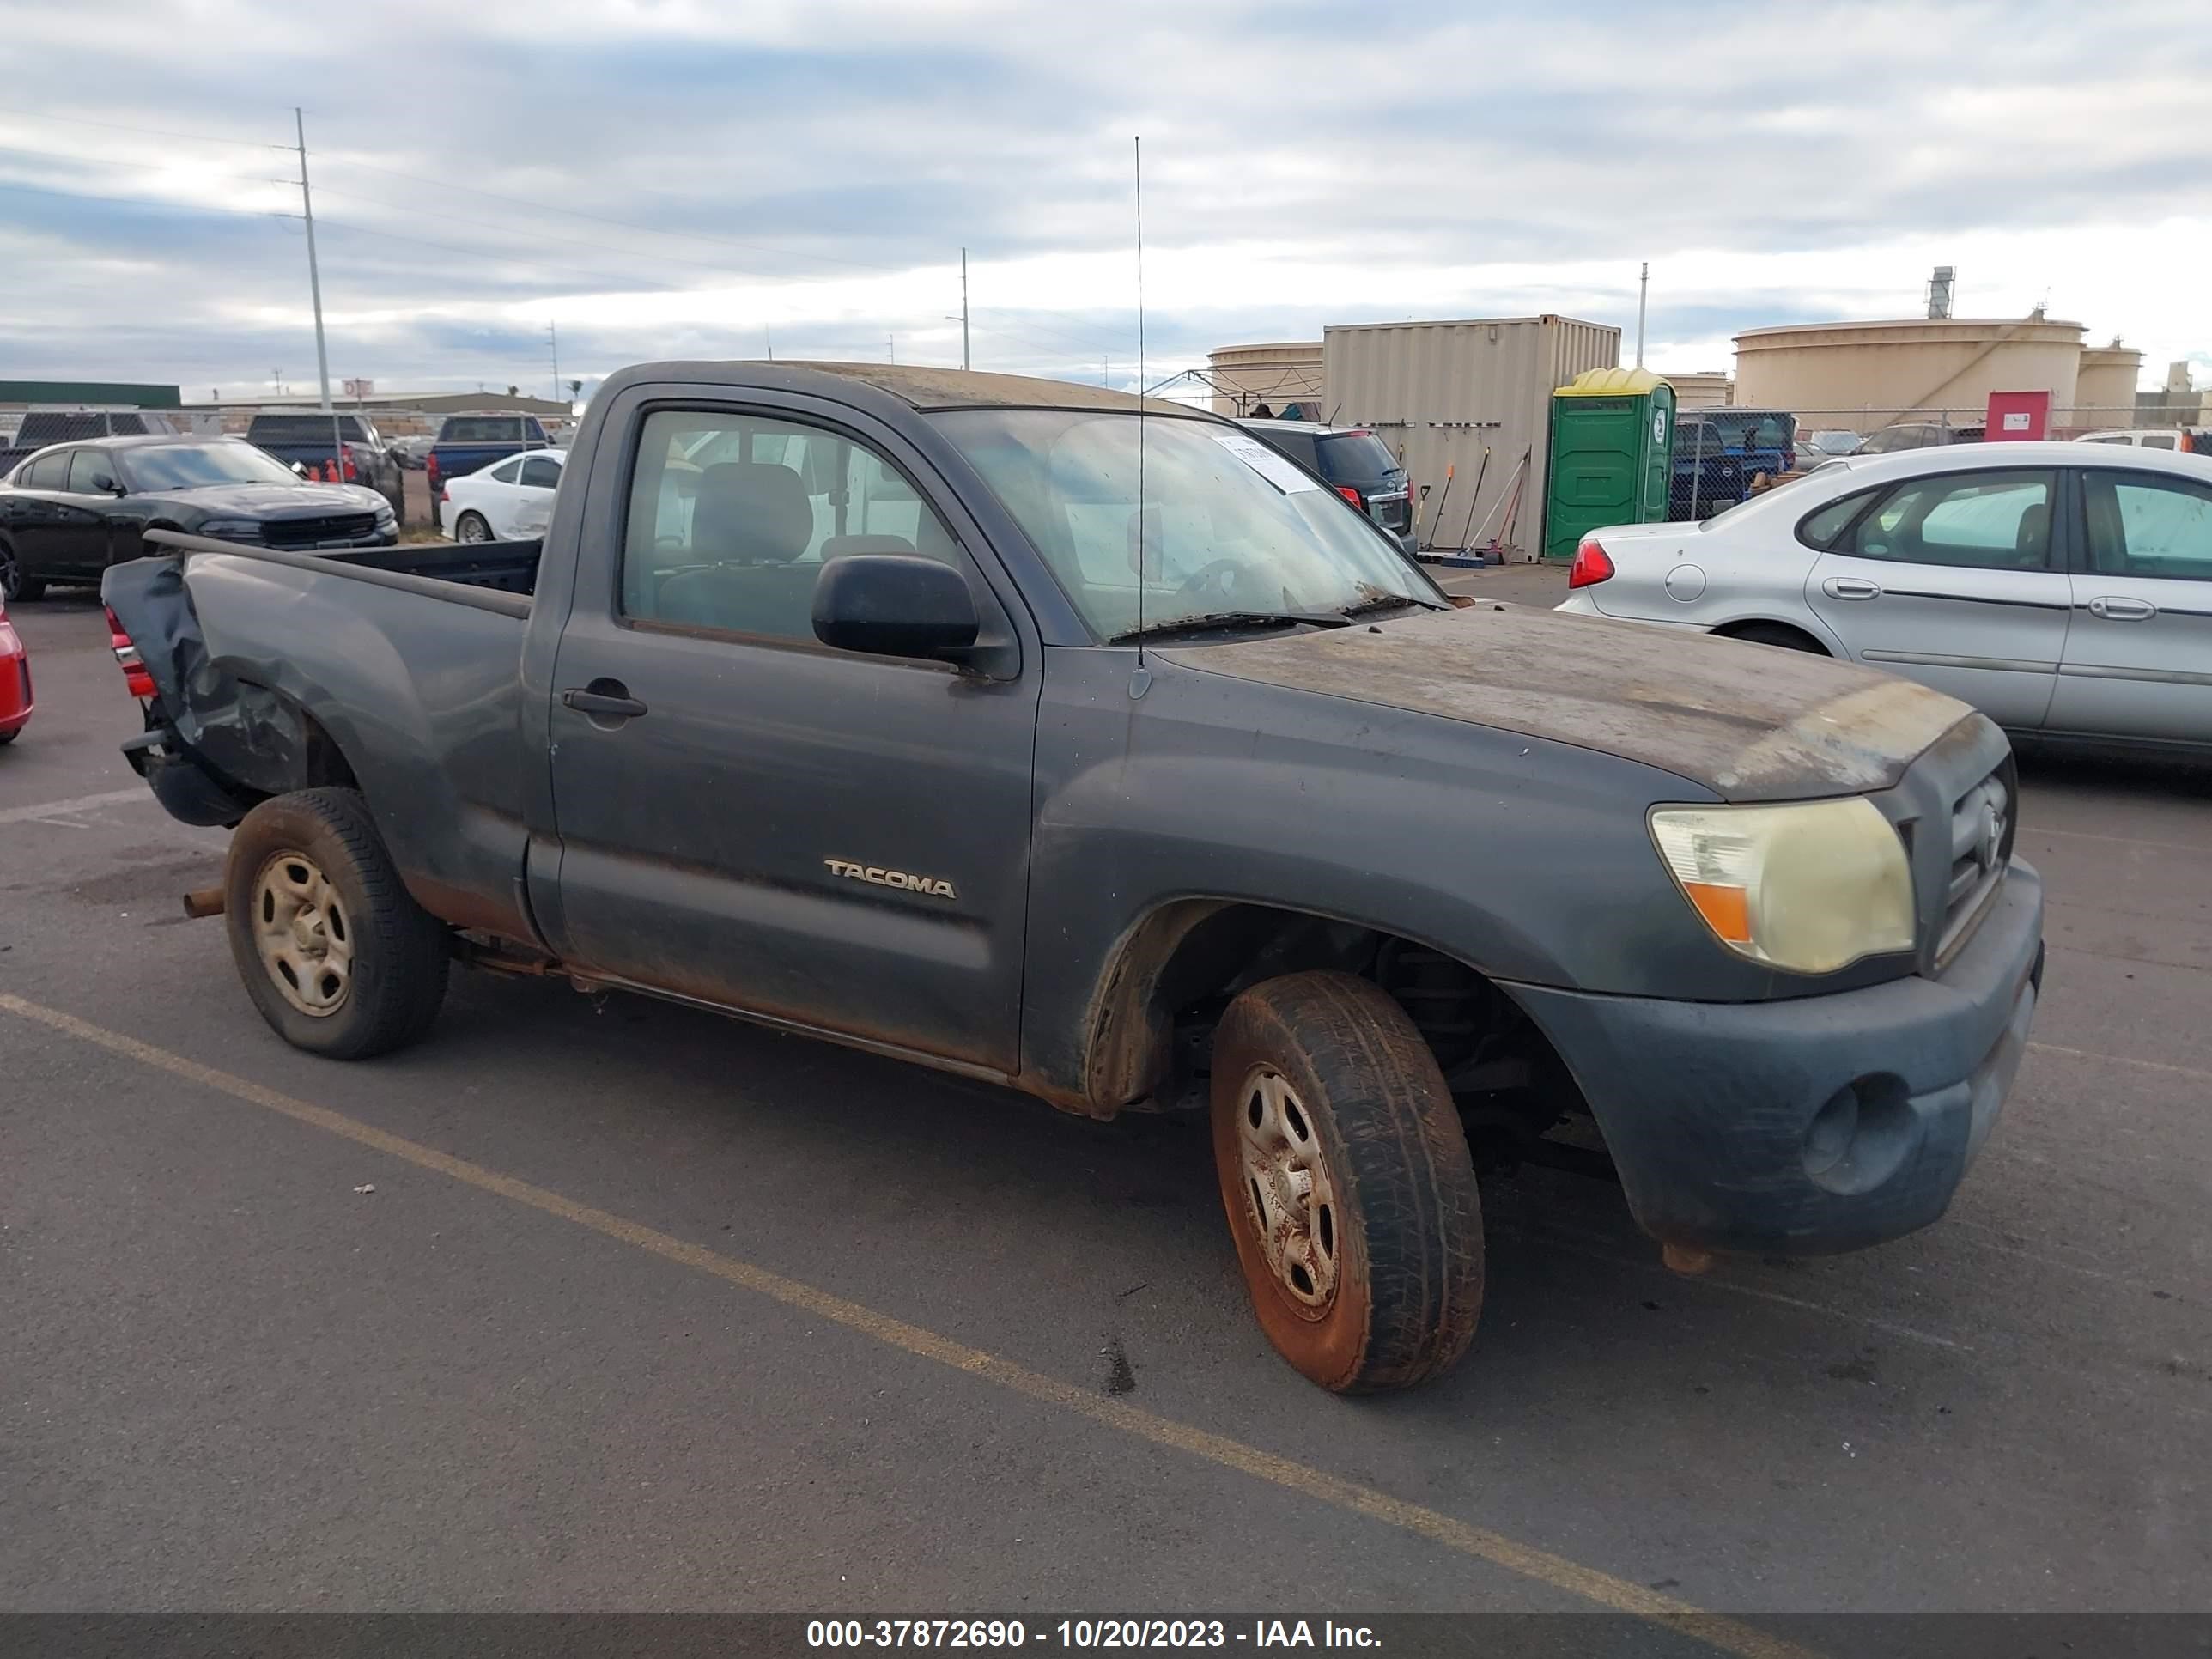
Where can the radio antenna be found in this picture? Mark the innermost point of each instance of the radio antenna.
(1142, 577)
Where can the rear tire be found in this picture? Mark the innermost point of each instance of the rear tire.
(1779, 634)
(13, 584)
(334, 951)
(1346, 1176)
(472, 527)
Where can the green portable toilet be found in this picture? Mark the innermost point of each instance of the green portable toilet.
(1613, 437)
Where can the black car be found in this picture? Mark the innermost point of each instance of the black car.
(68, 512)
(1353, 462)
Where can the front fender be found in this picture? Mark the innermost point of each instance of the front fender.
(1525, 859)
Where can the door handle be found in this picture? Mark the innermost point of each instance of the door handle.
(603, 699)
(2121, 609)
(1851, 588)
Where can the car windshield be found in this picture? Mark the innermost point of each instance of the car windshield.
(1227, 526)
(190, 466)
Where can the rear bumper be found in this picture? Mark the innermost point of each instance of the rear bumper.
(1813, 1125)
(187, 792)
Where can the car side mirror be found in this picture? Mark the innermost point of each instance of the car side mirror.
(299, 468)
(895, 604)
(105, 485)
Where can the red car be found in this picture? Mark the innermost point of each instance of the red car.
(15, 680)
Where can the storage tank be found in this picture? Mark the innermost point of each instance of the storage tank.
(1440, 393)
(2103, 389)
(1246, 376)
(1703, 388)
(1863, 375)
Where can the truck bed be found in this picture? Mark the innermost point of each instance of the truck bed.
(504, 566)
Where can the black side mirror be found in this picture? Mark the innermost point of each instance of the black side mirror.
(105, 483)
(895, 604)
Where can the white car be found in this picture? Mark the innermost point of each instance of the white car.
(480, 506)
(2062, 588)
(2143, 437)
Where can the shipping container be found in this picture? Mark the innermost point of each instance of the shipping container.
(1441, 393)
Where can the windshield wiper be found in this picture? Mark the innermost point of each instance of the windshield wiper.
(1218, 620)
(1387, 601)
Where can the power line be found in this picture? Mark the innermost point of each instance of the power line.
(564, 241)
(443, 186)
(154, 132)
(112, 161)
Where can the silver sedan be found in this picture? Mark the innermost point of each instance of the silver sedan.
(2060, 588)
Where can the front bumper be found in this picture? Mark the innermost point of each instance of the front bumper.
(1815, 1124)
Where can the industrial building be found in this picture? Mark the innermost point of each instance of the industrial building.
(1467, 405)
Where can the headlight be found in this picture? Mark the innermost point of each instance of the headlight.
(1808, 888)
(231, 530)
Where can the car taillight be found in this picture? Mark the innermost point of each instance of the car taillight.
(430, 469)
(1353, 495)
(345, 458)
(136, 678)
(1592, 564)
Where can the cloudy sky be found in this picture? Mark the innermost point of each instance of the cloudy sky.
(710, 177)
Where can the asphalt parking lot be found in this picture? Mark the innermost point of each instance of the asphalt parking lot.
(650, 1310)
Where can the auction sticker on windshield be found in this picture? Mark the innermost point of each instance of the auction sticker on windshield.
(1276, 469)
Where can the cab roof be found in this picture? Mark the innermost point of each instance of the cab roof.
(921, 386)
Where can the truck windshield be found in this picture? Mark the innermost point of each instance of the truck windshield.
(1227, 526)
(190, 466)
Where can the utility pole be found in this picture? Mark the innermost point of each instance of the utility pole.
(964, 309)
(890, 343)
(1642, 288)
(553, 342)
(315, 287)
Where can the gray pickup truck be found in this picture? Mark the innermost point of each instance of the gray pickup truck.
(1085, 745)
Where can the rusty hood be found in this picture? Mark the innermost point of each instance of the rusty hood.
(1750, 722)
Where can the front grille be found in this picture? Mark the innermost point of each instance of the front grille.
(317, 532)
(1982, 824)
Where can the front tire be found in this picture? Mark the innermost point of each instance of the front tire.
(472, 527)
(1349, 1189)
(334, 951)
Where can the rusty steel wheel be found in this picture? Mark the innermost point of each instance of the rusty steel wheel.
(1293, 1205)
(300, 927)
(1345, 1176)
(338, 956)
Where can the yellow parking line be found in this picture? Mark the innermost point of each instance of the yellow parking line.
(1618, 1593)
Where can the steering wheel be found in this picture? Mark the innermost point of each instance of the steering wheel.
(1205, 576)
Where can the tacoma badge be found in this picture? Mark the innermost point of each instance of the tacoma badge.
(899, 878)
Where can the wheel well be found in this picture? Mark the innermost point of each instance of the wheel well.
(1151, 1038)
(290, 749)
(324, 761)
(1755, 627)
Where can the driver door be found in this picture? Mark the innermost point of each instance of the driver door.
(758, 821)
